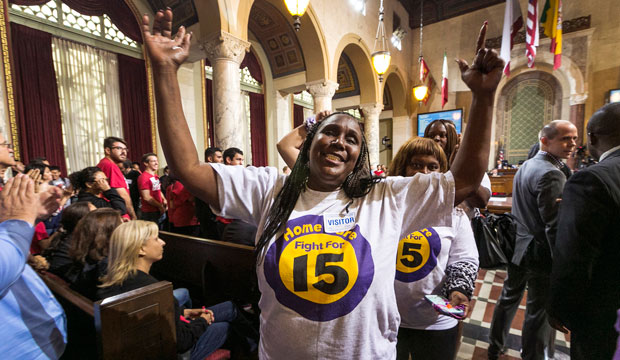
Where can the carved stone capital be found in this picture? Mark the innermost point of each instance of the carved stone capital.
(578, 99)
(372, 110)
(322, 88)
(224, 45)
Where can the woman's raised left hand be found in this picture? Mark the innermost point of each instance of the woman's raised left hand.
(485, 72)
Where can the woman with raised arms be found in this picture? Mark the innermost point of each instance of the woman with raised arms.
(328, 233)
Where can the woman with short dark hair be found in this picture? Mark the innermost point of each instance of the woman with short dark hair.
(92, 185)
(57, 254)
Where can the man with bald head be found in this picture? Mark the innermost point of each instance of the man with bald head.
(537, 188)
(585, 280)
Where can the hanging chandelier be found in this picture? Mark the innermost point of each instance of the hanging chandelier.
(420, 92)
(297, 8)
(381, 56)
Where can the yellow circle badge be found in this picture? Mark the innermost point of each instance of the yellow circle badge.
(321, 276)
(417, 255)
(321, 268)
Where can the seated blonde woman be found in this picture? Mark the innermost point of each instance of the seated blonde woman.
(134, 247)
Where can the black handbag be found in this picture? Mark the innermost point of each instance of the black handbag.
(495, 235)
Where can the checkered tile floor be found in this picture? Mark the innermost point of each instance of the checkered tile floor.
(476, 328)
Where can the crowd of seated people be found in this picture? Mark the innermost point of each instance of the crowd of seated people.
(78, 252)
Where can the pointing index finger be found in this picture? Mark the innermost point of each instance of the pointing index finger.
(482, 37)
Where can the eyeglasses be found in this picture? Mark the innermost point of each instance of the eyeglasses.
(8, 145)
(120, 148)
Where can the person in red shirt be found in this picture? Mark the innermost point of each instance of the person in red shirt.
(115, 153)
(181, 209)
(154, 205)
(379, 172)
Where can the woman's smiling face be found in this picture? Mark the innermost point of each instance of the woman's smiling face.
(334, 152)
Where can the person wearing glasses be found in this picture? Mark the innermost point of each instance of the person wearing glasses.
(6, 158)
(115, 153)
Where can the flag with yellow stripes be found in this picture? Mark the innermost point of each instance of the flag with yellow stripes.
(551, 20)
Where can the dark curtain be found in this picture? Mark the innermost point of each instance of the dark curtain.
(298, 115)
(253, 65)
(118, 11)
(36, 96)
(209, 96)
(134, 106)
(258, 129)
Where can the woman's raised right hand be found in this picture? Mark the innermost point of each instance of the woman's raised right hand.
(103, 184)
(166, 52)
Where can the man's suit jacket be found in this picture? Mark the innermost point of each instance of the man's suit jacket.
(537, 186)
(585, 280)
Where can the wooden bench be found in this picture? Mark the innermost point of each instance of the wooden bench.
(213, 271)
(138, 324)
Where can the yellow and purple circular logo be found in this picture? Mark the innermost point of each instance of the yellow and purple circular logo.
(320, 276)
(417, 255)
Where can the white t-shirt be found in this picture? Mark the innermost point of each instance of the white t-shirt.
(331, 295)
(423, 256)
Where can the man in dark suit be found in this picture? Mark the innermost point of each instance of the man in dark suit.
(585, 281)
(537, 187)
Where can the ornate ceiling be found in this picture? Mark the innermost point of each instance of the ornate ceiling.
(277, 38)
(438, 10)
(348, 84)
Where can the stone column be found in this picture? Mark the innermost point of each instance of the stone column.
(371, 114)
(322, 91)
(577, 114)
(402, 130)
(225, 52)
(283, 120)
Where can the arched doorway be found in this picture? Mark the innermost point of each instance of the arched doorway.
(394, 124)
(526, 104)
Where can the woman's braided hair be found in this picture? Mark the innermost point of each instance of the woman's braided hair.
(357, 184)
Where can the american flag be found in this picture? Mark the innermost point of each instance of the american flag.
(531, 33)
(513, 22)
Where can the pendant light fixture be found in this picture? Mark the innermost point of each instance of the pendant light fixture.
(381, 56)
(297, 8)
(420, 92)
